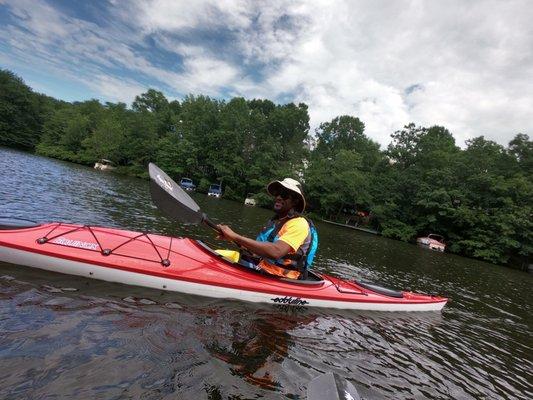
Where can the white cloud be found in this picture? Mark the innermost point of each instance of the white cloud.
(116, 89)
(172, 15)
(40, 18)
(473, 62)
(208, 73)
(469, 64)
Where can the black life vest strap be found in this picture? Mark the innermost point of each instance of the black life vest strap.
(298, 256)
(292, 214)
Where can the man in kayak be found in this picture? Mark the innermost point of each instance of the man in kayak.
(287, 244)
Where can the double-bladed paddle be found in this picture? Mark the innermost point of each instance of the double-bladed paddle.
(172, 200)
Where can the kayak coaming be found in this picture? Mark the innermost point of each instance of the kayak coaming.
(213, 280)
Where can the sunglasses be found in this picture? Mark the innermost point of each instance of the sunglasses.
(285, 194)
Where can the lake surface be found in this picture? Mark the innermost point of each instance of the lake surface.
(71, 338)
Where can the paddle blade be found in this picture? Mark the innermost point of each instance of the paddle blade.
(172, 199)
(330, 386)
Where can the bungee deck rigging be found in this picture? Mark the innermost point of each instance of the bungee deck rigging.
(105, 251)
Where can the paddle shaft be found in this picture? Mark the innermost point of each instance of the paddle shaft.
(206, 220)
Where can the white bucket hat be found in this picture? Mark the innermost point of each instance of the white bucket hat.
(293, 185)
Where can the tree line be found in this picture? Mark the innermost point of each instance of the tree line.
(479, 198)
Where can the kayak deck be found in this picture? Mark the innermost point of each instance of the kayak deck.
(185, 265)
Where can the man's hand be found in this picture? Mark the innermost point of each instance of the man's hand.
(227, 233)
(264, 249)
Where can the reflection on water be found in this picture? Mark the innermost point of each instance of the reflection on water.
(68, 337)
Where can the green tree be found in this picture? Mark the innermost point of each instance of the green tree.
(108, 140)
(337, 181)
(521, 148)
(495, 204)
(341, 166)
(20, 113)
(153, 104)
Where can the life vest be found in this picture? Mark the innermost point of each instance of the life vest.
(303, 259)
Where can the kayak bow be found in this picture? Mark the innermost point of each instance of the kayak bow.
(187, 266)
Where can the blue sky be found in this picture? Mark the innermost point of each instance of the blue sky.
(466, 65)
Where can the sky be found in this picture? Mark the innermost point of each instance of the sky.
(464, 65)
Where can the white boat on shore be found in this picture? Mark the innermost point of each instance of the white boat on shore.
(432, 242)
(249, 200)
(104, 165)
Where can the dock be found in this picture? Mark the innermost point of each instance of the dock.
(372, 231)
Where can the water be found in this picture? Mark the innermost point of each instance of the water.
(70, 338)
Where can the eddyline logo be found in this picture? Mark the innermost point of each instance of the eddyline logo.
(165, 183)
(290, 300)
(76, 243)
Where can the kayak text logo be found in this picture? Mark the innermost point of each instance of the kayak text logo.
(290, 300)
(75, 243)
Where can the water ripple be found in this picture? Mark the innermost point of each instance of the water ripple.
(67, 337)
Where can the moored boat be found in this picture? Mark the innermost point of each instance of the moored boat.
(104, 165)
(432, 242)
(187, 266)
(249, 200)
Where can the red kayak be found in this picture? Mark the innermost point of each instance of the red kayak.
(187, 266)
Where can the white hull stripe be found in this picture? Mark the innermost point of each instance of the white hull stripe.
(69, 267)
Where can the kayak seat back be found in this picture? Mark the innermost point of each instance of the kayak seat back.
(312, 279)
(380, 289)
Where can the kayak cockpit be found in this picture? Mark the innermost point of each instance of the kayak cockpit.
(380, 289)
(311, 279)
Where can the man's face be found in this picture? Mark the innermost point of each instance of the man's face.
(284, 200)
